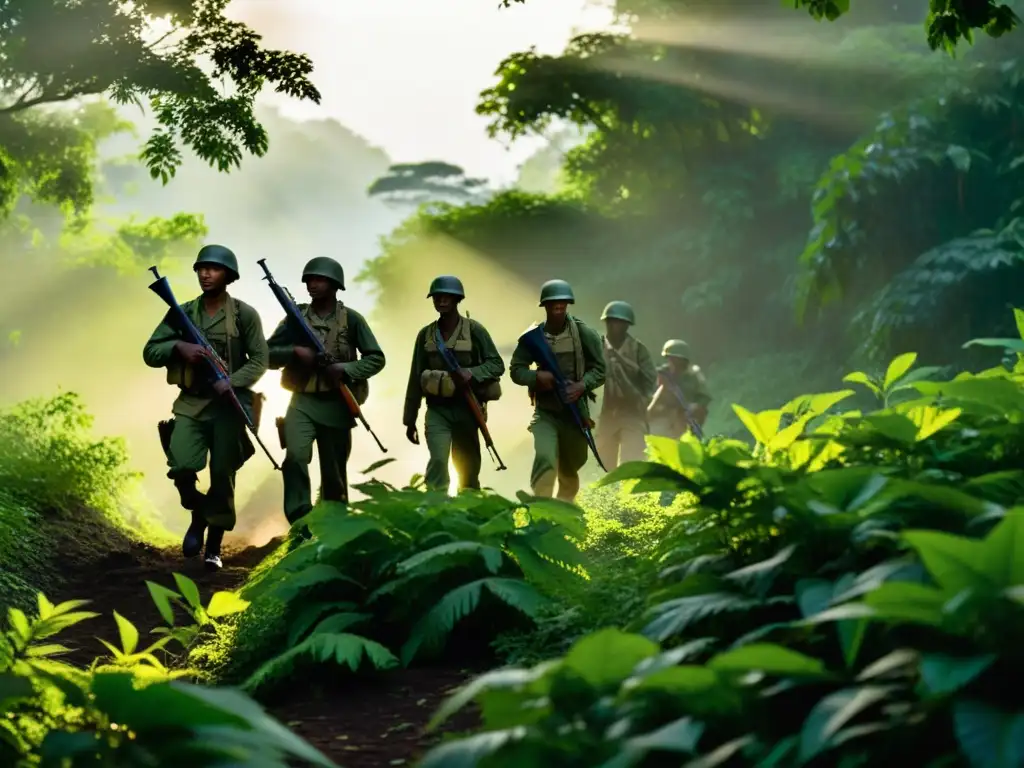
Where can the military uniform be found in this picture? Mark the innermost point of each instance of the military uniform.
(666, 415)
(317, 412)
(560, 449)
(449, 426)
(204, 423)
(629, 384)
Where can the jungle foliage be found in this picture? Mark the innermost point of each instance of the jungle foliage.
(129, 708)
(385, 581)
(848, 198)
(844, 590)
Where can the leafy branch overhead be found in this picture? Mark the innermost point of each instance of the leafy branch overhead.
(947, 22)
(198, 71)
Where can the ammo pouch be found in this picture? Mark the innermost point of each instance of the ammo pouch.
(257, 409)
(165, 428)
(279, 423)
(488, 391)
(360, 390)
(437, 384)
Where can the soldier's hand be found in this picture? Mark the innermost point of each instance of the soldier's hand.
(336, 371)
(574, 391)
(221, 386)
(465, 375)
(190, 353)
(545, 381)
(305, 355)
(413, 435)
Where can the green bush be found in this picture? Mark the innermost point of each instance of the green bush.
(62, 493)
(387, 579)
(129, 709)
(846, 591)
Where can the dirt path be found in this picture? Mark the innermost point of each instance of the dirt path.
(366, 724)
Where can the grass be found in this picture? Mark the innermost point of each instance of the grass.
(66, 498)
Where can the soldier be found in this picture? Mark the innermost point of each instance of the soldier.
(317, 411)
(559, 446)
(449, 425)
(628, 388)
(204, 421)
(666, 414)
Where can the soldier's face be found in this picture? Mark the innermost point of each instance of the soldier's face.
(319, 287)
(212, 278)
(556, 310)
(678, 364)
(444, 303)
(616, 328)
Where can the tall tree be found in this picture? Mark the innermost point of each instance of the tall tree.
(198, 71)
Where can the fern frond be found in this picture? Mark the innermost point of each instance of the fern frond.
(450, 555)
(675, 616)
(342, 649)
(432, 629)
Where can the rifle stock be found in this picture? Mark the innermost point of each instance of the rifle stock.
(291, 310)
(474, 405)
(536, 342)
(220, 371)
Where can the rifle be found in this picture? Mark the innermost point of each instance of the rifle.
(217, 366)
(474, 405)
(677, 392)
(291, 310)
(535, 341)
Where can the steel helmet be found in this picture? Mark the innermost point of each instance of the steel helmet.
(219, 255)
(447, 284)
(676, 348)
(322, 266)
(556, 290)
(619, 310)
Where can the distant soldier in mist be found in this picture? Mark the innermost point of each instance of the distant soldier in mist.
(560, 448)
(667, 414)
(204, 421)
(628, 387)
(317, 413)
(449, 426)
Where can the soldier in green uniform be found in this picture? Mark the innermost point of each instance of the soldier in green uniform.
(629, 384)
(204, 421)
(449, 425)
(560, 449)
(666, 414)
(317, 411)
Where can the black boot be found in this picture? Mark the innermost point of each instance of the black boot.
(191, 497)
(192, 544)
(213, 541)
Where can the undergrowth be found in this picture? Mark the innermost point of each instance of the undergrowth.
(843, 590)
(65, 496)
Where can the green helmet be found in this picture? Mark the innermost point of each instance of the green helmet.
(619, 310)
(676, 348)
(447, 284)
(322, 266)
(556, 290)
(219, 255)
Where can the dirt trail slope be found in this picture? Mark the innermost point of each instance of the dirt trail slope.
(366, 724)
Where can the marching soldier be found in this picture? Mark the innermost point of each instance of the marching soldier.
(629, 384)
(317, 412)
(682, 390)
(204, 421)
(560, 447)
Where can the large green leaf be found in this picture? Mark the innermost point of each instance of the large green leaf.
(989, 737)
(832, 713)
(608, 656)
(768, 658)
(679, 737)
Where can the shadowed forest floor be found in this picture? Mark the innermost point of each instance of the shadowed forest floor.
(368, 723)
